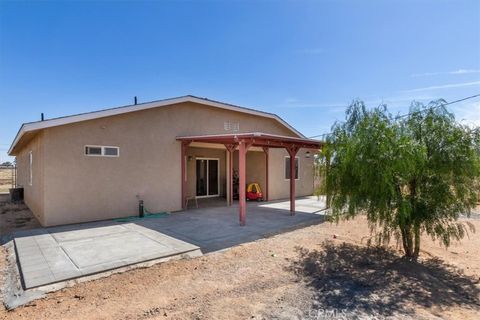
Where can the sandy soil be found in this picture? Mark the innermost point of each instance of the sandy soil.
(5, 179)
(15, 216)
(319, 270)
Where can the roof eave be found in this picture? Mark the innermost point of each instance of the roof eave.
(20, 133)
(39, 125)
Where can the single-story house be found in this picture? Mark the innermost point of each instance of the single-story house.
(97, 165)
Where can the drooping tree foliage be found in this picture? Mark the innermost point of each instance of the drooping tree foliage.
(410, 175)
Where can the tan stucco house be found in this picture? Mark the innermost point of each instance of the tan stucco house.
(97, 165)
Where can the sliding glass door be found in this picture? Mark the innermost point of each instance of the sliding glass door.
(207, 177)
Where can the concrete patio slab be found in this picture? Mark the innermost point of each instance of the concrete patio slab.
(302, 205)
(56, 254)
(217, 228)
(51, 255)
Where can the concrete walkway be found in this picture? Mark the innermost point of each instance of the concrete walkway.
(55, 254)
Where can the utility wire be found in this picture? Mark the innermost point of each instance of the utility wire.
(437, 106)
(319, 135)
(416, 112)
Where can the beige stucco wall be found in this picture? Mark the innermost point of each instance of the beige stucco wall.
(81, 188)
(279, 187)
(255, 167)
(34, 193)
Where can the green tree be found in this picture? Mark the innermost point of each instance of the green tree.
(409, 175)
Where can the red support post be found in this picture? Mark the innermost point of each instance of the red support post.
(265, 149)
(230, 180)
(230, 149)
(184, 172)
(242, 173)
(242, 153)
(292, 151)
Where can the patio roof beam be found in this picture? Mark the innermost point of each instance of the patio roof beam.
(256, 139)
(259, 143)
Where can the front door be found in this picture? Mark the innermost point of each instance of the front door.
(207, 177)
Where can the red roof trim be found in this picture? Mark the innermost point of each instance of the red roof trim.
(256, 138)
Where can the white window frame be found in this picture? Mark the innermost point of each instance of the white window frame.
(30, 168)
(285, 168)
(103, 151)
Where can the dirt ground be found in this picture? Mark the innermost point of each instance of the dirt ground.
(15, 217)
(317, 272)
(6, 179)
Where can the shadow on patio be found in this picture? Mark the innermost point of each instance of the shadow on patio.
(377, 282)
(217, 227)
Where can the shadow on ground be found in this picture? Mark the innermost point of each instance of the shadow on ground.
(376, 281)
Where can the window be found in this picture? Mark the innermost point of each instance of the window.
(110, 151)
(93, 151)
(30, 165)
(287, 168)
(102, 151)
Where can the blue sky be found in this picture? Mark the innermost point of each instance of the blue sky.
(304, 60)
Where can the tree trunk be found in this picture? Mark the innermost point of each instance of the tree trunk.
(413, 232)
(417, 242)
(407, 241)
(404, 240)
(327, 170)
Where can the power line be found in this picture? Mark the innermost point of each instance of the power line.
(319, 135)
(437, 106)
(416, 112)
